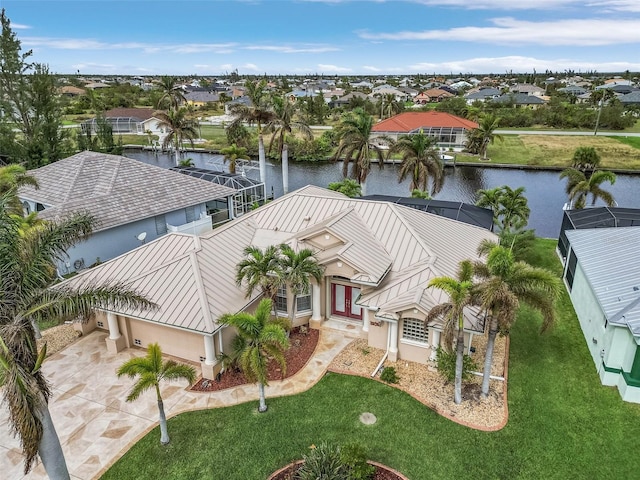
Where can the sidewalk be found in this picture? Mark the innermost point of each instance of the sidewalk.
(94, 422)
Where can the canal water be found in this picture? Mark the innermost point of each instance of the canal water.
(543, 189)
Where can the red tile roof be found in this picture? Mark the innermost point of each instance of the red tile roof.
(409, 121)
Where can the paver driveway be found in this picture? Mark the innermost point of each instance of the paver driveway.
(94, 422)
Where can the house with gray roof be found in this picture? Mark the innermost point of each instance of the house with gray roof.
(602, 275)
(520, 100)
(482, 94)
(131, 202)
(378, 258)
(632, 98)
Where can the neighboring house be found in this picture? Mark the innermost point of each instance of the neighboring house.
(482, 94)
(520, 100)
(573, 90)
(449, 130)
(363, 84)
(632, 98)
(602, 275)
(527, 89)
(71, 91)
(137, 121)
(383, 90)
(346, 99)
(378, 259)
(201, 98)
(297, 94)
(132, 202)
(432, 95)
(237, 101)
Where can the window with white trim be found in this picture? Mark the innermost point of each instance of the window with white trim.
(414, 330)
(281, 300)
(303, 302)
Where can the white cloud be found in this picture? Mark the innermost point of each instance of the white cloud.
(509, 31)
(506, 5)
(617, 5)
(19, 26)
(91, 44)
(370, 68)
(250, 66)
(333, 68)
(288, 49)
(520, 64)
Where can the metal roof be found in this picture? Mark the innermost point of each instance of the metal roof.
(115, 190)
(193, 280)
(610, 259)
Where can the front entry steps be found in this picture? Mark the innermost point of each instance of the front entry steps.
(345, 327)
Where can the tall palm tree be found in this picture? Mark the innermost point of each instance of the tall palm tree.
(258, 113)
(502, 285)
(232, 154)
(485, 131)
(514, 209)
(421, 161)
(579, 186)
(460, 295)
(298, 268)
(259, 338)
(179, 127)
(25, 273)
(586, 159)
(490, 198)
(12, 177)
(261, 269)
(172, 93)
(354, 145)
(149, 371)
(281, 124)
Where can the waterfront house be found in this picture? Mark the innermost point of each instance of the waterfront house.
(378, 257)
(131, 202)
(136, 121)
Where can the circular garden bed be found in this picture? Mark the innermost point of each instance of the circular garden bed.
(382, 472)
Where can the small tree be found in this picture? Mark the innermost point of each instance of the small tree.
(347, 186)
(297, 268)
(150, 371)
(259, 338)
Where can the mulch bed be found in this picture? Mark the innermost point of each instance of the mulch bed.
(380, 474)
(302, 347)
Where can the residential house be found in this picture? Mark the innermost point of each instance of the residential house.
(520, 100)
(449, 130)
(527, 89)
(602, 276)
(385, 89)
(482, 94)
(378, 258)
(71, 91)
(346, 99)
(632, 98)
(201, 98)
(138, 121)
(131, 202)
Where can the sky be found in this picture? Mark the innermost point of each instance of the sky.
(329, 37)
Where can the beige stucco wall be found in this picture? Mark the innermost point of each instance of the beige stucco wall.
(377, 335)
(179, 343)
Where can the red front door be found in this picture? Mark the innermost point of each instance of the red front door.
(343, 301)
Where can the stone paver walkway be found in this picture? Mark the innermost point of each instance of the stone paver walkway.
(94, 422)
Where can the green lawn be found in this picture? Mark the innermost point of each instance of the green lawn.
(633, 141)
(562, 423)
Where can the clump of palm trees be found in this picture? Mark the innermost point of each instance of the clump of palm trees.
(509, 206)
(261, 336)
(497, 287)
(479, 139)
(584, 179)
(27, 269)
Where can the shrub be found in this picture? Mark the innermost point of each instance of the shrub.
(323, 463)
(354, 457)
(447, 365)
(389, 375)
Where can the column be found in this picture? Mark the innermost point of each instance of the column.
(393, 341)
(366, 322)
(115, 342)
(435, 342)
(114, 331)
(316, 303)
(209, 350)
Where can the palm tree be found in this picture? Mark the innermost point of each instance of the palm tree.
(485, 131)
(514, 209)
(171, 92)
(150, 371)
(585, 159)
(259, 339)
(503, 284)
(233, 153)
(353, 134)
(579, 187)
(179, 127)
(12, 177)
(280, 125)
(347, 186)
(460, 295)
(187, 162)
(490, 198)
(258, 113)
(421, 161)
(261, 269)
(26, 270)
(417, 193)
(298, 267)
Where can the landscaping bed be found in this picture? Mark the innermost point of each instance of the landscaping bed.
(381, 473)
(303, 344)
